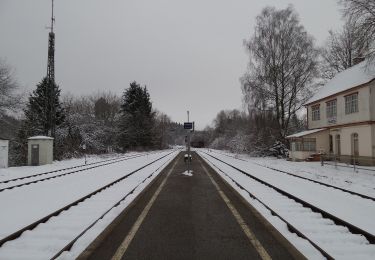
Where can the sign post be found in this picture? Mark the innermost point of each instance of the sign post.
(84, 150)
(189, 126)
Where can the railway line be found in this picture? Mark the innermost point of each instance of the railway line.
(49, 236)
(334, 235)
(34, 178)
(305, 178)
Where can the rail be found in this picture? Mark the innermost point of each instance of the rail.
(305, 178)
(31, 226)
(96, 165)
(352, 228)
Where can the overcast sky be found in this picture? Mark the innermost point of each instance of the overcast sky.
(189, 53)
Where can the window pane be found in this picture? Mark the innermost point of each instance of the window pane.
(331, 109)
(351, 103)
(315, 112)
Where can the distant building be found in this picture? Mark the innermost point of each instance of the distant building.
(341, 119)
(4, 148)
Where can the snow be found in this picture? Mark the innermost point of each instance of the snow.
(62, 172)
(357, 75)
(362, 181)
(23, 171)
(40, 137)
(29, 203)
(188, 173)
(337, 240)
(303, 133)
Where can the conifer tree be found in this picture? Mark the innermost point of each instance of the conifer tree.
(39, 110)
(137, 118)
(43, 112)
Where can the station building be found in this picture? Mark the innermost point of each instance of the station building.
(341, 119)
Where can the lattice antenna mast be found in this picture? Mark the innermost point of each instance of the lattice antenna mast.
(51, 77)
(51, 50)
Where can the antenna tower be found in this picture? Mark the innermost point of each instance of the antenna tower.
(51, 77)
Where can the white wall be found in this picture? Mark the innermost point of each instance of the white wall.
(372, 100)
(45, 151)
(365, 139)
(4, 148)
(363, 113)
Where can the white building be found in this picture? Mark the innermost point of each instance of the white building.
(40, 150)
(4, 148)
(341, 118)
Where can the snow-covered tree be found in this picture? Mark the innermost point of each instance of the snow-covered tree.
(9, 100)
(282, 67)
(137, 119)
(43, 112)
(340, 50)
(363, 12)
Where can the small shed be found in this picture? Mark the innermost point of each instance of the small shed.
(40, 150)
(4, 149)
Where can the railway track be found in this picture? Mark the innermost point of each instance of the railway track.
(305, 178)
(80, 211)
(39, 177)
(332, 236)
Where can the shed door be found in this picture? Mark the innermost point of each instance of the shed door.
(35, 154)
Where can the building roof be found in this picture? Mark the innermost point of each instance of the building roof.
(357, 75)
(40, 137)
(2, 138)
(304, 133)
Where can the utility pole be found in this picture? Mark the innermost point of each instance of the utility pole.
(51, 78)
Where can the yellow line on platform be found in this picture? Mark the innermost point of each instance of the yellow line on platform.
(128, 239)
(246, 229)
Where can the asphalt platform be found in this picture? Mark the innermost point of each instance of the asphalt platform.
(190, 217)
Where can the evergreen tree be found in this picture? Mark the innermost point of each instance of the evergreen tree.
(137, 118)
(38, 114)
(43, 113)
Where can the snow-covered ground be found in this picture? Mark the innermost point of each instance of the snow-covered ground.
(362, 181)
(336, 240)
(18, 172)
(29, 203)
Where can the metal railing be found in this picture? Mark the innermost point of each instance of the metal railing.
(348, 162)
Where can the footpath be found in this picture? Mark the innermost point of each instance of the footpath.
(190, 217)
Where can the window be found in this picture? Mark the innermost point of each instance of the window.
(315, 112)
(330, 144)
(338, 145)
(306, 144)
(355, 145)
(351, 104)
(332, 108)
(309, 145)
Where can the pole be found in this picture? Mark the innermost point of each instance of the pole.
(189, 156)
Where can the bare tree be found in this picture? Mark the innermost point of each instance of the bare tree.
(9, 100)
(340, 50)
(363, 12)
(282, 68)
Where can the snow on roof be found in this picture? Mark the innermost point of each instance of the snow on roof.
(357, 75)
(40, 137)
(303, 133)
